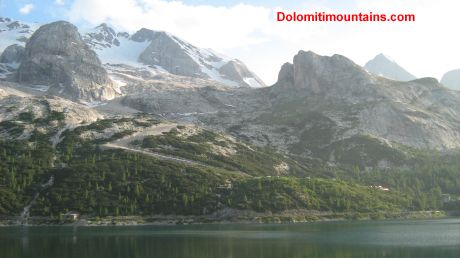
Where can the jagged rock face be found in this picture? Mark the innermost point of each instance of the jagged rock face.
(286, 75)
(313, 74)
(143, 35)
(452, 79)
(236, 71)
(164, 51)
(384, 66)
(179, 57)
(357, 103)
(12, 54)
(57, 56)
(330, 108)
(325, 107)
(105, 37)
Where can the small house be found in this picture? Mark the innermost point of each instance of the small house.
(71, 215)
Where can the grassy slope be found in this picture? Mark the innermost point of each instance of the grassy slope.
(99, 183)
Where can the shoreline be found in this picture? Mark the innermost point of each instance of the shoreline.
(245, 217)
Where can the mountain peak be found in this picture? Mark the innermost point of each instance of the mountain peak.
(143, 35)
(316, 73)
(385, 66)
(102, 36)
(179, 57)
(13, 54)
(237, 71)
(56, 55)
(114, 47)
(382, 56)
(451, 79)
(106, 28)
(103, 25)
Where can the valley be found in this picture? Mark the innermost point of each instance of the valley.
(151, 127)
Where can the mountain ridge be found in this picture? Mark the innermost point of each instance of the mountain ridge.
(164, 51)
(319, 104)
(122, 48)
(324, 138)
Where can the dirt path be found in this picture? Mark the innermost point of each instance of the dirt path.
(156, 130)
(124, 144)
(155, 154)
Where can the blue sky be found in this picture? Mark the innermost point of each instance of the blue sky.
(50, 10)
(43, 10)
(248, 31)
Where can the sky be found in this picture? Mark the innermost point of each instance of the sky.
(248, 30)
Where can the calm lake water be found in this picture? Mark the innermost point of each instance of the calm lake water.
(417, 238)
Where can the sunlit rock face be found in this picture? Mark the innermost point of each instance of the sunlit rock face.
(57, 56)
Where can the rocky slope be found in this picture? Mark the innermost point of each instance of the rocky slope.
(452, 79)
(165, 52)
(384, 66)
(55, 55)
(16, 99)
(10, 60)
(197, 145)
(323, 107)
(420, 113)
(12, 55)
(176, 56)
(326, 107)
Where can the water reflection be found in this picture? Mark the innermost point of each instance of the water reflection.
(317, 240)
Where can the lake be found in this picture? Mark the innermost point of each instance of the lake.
(404, 238)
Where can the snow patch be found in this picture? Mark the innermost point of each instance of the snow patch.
(14, 35)
(202, 57)
(41, 88)
(95, 104)
(117, 80)
(252, 82)
(127, 53)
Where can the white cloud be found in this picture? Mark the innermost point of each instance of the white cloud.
(427, 47)
(26, 9)
(60, 2)
(204, 25)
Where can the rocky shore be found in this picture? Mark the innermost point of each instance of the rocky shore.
(224, 217)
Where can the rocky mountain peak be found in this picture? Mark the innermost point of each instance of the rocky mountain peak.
(237, 71)
(179, 57)
(318, 74)
(102, 36)
(164, 51)
(106, 28)
(385, 66)
(383, 57)
(54, 38)
(13, 54)
(452, 79)
(286, 75)
(143, 35)
(57, 56)
(149, 49)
